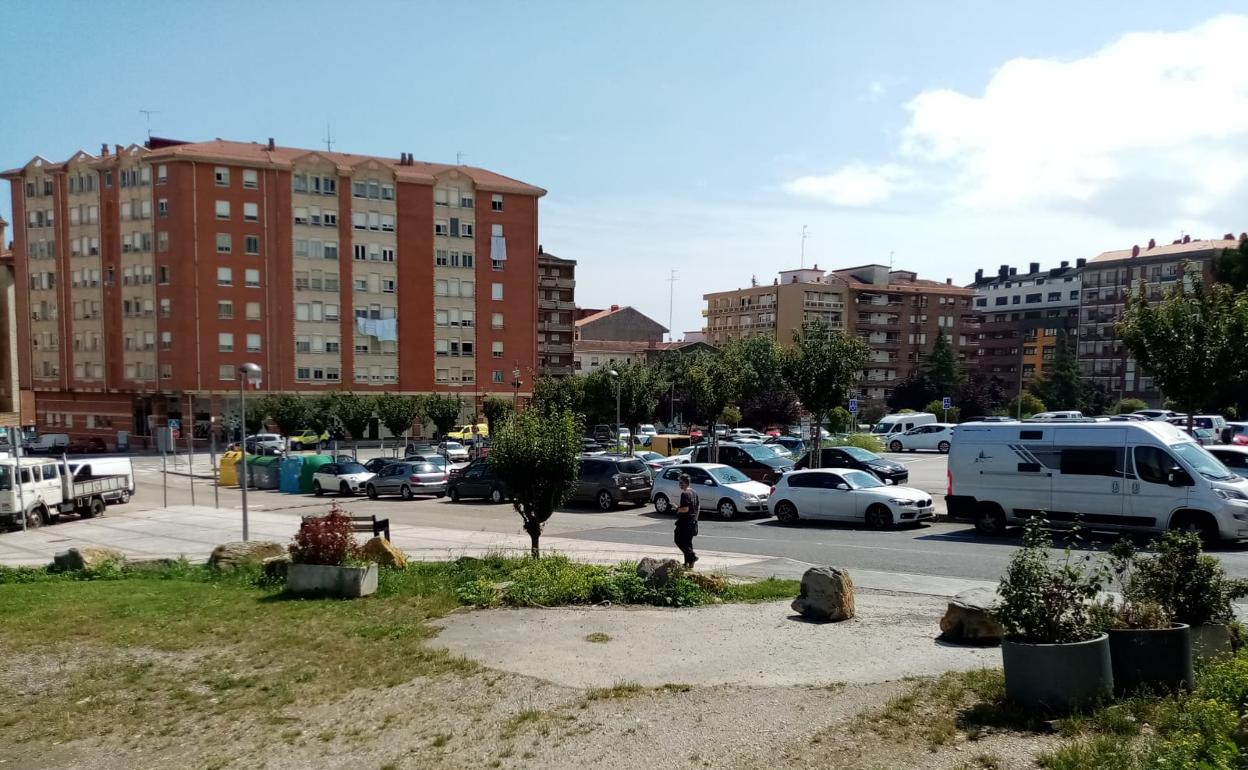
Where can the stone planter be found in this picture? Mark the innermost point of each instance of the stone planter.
(1155, 659)
(324, 580)
(1058, 677)
(1211, 641)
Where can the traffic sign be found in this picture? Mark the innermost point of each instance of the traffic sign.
(853, 406)
(946, 403)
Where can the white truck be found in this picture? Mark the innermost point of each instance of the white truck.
(891, 425)
(40, 490)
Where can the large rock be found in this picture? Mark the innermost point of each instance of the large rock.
(659, 573)
(969, 620)
(384, 553)
(827, 594)
(275, 568)
(229, 556)
(85, 558)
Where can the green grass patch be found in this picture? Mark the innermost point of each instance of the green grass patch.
(617, 690)
(598, 637)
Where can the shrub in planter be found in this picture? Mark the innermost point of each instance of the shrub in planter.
(1055, 653)
(1147, 649)
(325, 559)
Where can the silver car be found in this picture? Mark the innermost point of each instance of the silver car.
(720, 488)
(408, 479)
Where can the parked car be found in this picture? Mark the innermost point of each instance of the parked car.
(722, 489)
(408, 480)
(478, 480)
(309, 439)
(610, 479)
(684, 455)
(453, 451)
(84, 446)
(857, 458)
(377, 463)
(795, 445)
(603, 434)
(654, 461)
(757, 462)
(891, 425)
(265, 443)
(419, 448)
(1214, 422)
(1239, 432)
(345, 477)
(746, 436)
(780, 449)
(467, 432)
(645, 433)
(1156, 414)
(1235, 458)
(935, 436)
(48, 443)
(591, 447)
(1203, 436)
(848, 495)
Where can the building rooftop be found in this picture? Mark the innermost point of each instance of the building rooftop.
(598, 315)
(631, 346)
(1185, 246)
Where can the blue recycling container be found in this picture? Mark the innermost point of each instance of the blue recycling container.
(291, 470)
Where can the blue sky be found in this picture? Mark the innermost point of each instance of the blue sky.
(700, 136)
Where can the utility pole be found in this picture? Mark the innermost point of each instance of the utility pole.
(147, 114)
(329, 138)
(803, 247)
(671, 296)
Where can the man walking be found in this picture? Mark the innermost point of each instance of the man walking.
(687, 520)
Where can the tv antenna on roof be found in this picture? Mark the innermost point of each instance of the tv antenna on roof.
(329, 138)
(147, 114)
(803, 247)
(459, 159)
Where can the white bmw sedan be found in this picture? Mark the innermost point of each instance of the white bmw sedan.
(847, 495)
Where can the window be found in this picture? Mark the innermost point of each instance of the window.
(496, 349)
(166, 308)
(1033, 298)
(465, 200)
(251, 277)
(1055, 296)
(387, 286)
(441, 227)
(465, 229)
(225, 276)
(222, 176)
(164, 274)
(496, 203)
(225, 309)
(166, 340)
(465, 288)
(497, 375)
(251, 212)
(496, 291)
(253, 311)
(387, 192)
(1153, 465)
(440, 198)
(226, 372)
(301, 215)
(162, 174)
(360, 284)
(496, 320)
(253, 343)
(225, 342)
(251, 244)
(1091, 462)
(162, 207)
(251, 178)
(440, 287)
(223, 243)
(223, 209)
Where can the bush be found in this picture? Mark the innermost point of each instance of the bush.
(1191, 586)
(1129, 405)
(325, 540)
(1046, 600)
(862, 441)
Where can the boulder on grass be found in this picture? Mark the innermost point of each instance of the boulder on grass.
(827, 594)
(968, 618)
(275, 568)
(659, 573)
(708, 581)
(383, 552)
(230, 556)
(85, 558)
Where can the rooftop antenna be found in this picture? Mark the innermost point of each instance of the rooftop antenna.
(803, 247)
(147, 114)
(671, 294)
(890, 261)
(459, 159)
(329, 138)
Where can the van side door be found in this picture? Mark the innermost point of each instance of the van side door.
(1091, 479)
(1151, 497)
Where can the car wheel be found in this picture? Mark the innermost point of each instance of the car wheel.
(344, 489)
(894, 446)
(125, 496)
(371, 491)
(662, 504)
(879, 517)
(786, 512)
(454, 494)
(727, 509)
(605, 501)
(405, 492)
(1199, 523)
(96, 508)
(316, 489)
(943, 447)
(496, 495)
(36, 518)
(989, 519)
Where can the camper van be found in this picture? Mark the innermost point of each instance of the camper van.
(897, 424)
(1142, 476)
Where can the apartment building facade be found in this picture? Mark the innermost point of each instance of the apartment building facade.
(1022, 318)
(12, 397)
(556, 306)
(1107, 281)
(154, 271)
(897, 314)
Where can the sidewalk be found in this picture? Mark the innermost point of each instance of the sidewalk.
(193, 532)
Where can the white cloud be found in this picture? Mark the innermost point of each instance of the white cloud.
(856, 184)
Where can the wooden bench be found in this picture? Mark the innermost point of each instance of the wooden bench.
(369, 524)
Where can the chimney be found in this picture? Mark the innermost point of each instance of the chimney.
(1135, 250)
(539, 249)
(948, 281)
(816, 265)
(1229, 237)
(1152, 243)
(1065, 263)
(979, 275)
(272, 145)
(1187, 239)
(1081, 261)
(1013, 271)
(104, 150)
(1034, 267)
(1003, 271)
(614, 308)
(117, 149)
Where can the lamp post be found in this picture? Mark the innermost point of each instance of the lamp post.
(516, 382)
(616, 376)
(246, 373)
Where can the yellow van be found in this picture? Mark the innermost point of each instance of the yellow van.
(465, 432)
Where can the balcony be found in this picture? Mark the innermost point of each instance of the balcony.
(556, 304)
(555, 347)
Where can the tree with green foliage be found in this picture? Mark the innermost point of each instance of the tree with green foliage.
(731, 416)
(559, 394)
(839, 420)
(352, 411)
(1129, 405)
(712, 383)
(496, 409)
(913, 392)
(980, 395)
(821, 367)
(1191, 342)
(398, 412)
(941, 369)
(764, 398)
(1231, 266)
(538, 456)
(640, 386)
(286, 410)
(443, 411)
(938, 408)
(1063, 386)
(1025, 406)
(320, 412)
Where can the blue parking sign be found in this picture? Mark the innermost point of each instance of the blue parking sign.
(946, 402)
(853, 406)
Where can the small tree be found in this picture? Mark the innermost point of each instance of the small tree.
(711, 384)
(1231, 266)
(1129, 405)
(443, 411)
(1025, 406)
(938, 408)
(731, 416)
(821, 368)
(640, 386)
(940, 367)
(398, 412)
(320, 412)
(496, 410)
(1063, 385)
(555, 394)
(981, 394)
(537, 456)
(353, 411)
(288, 411)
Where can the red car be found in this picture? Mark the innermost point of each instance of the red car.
(86, 446)
(774, 432)
(695, 433)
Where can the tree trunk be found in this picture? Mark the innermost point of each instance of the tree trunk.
(535, 535)
(816, 441)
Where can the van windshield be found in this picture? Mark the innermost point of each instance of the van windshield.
(883, 427)
(1202, 462)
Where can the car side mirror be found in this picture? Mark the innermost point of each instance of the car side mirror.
(1178, 478)
(843, 487)
(708, 483)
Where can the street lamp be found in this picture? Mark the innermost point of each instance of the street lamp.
(516, 382)
(246, 373)
(616, 376)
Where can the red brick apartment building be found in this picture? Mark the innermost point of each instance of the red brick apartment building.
(149, 273)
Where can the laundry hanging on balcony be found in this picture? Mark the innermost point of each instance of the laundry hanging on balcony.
(498, 244)
(384, 329)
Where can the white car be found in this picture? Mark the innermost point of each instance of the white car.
(1156, 414)
(645, 433)
(453, 451)
(684, 455)
(746, 436)
(654, 461)
(346, 478)
(720, 488)
(937, 437)
(847, 495)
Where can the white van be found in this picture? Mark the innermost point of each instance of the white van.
(1147, 476)
(93, 467)
(896, 424)
(48, 443)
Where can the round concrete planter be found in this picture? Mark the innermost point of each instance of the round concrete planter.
(1058, 677)
(1157, 660)
(1211, 641)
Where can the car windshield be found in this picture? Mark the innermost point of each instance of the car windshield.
(727, 475)
(454, 445)
(1202, 462)
(759, 452)
(631, 466)
(345, 468)
(426, 468)
(883, 427)
(436, 460)
(860, 454)
(649, 456)
(862, 480)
